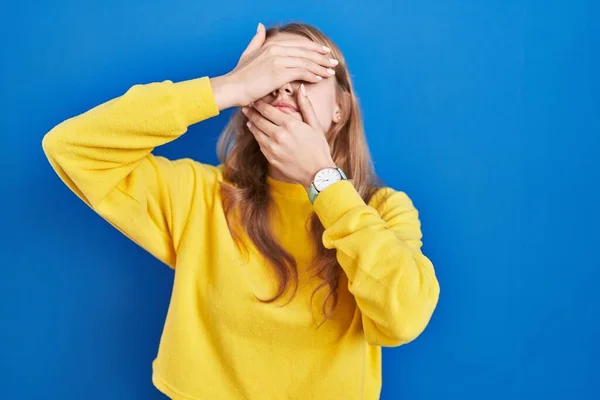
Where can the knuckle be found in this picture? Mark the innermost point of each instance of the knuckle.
(273, 148)
(278, 136)
(308, 73)
(267, 112)
(285, 140)
(273, 50)
(278, 61)
(305, 64)
(301, 73)
(295, 72)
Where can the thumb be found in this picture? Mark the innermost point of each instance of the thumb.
(257, 41)
(306, 109)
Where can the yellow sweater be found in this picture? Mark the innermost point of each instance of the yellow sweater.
(219, 342)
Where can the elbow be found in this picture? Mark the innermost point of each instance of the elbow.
(416, 321)
(56, 140)
(392, 336)
(409, 330)
(51, 143)
(413, 313)
(403, 333)
(405, 326)
(48, 143)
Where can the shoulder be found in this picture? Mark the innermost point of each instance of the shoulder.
(200, 171)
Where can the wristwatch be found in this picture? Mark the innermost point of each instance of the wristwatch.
(323, 179)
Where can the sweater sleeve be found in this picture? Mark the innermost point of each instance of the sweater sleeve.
(378, 246)
(104, 156)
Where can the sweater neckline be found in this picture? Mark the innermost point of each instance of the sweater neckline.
(288, 190)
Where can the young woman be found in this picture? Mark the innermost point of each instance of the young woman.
(292, 265)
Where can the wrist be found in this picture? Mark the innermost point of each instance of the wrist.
(225, 92)
(311, 175)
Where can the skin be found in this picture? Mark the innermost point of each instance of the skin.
(322, 94)
(277, 69)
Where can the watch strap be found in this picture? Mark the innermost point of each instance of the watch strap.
(313, 192)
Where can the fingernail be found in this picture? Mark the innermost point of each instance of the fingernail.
(327, 49)
(302, 90)
(258, 27)
(245, 110)
(319, 77)
(249, 124)
(333, 61)
(330, 71)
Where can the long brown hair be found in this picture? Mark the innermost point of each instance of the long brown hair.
(245, 193)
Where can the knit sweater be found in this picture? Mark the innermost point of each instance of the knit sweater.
(219, 341)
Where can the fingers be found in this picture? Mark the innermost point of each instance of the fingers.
(300, 74)
(265, 143)
(307, 110)
(261, 137)
(309, 45)
(264, 122)
(308, 65)
(265, 110)
(325, 60)
(299, 57)
(257, 41)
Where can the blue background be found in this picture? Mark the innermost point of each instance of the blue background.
(487, 113)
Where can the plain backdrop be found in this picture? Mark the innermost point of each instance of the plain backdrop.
(487, 113)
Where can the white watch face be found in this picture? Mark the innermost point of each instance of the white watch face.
(326, 177)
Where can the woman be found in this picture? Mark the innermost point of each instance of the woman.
(277, 220)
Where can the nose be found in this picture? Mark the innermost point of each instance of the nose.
(287, 89)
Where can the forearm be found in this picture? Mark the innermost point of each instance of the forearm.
(102, 146)
(378, 247)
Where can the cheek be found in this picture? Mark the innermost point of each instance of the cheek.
(323, 101)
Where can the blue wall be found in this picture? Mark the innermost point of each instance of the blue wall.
(486, 112)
